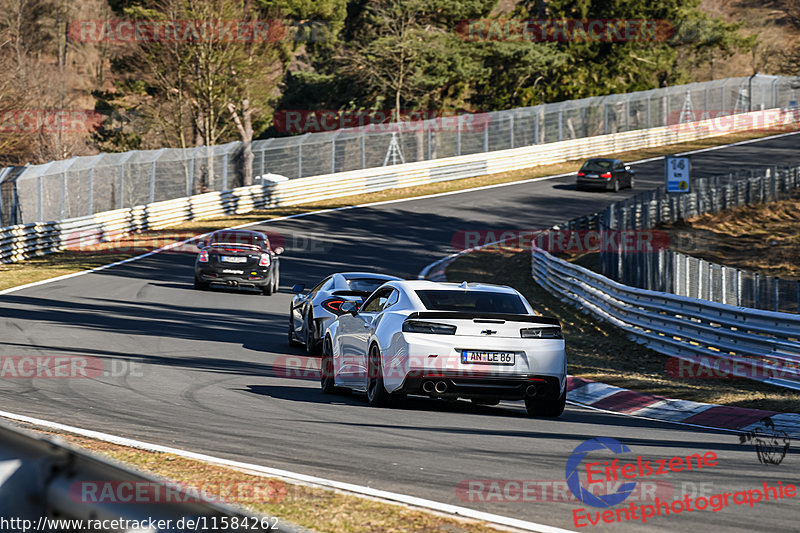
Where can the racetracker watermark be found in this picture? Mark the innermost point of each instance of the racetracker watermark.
(726, 368)
(67, 367)
(156, 492)
(566, 30)
(380, 121)
(532, 490)
(562, 241)
(123, 31)
(99, 242)
(431, 366)
(722, 122)
(50, 120)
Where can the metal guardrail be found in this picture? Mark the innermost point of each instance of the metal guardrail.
(84, 186)
(45, 481)
(678, 273)
(766, 344)
(19, 242)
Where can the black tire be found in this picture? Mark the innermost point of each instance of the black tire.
(480, 401)
(376, 391)
(546, 408)
(292, 340)
(200, 285)
(616, 185)
(326, 372)
(311, 340)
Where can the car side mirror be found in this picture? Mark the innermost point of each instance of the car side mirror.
(349, 307)
(201, 243)
(298, 288)
(278, 251)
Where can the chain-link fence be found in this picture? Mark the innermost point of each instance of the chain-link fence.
(86, 185)
(661, 269)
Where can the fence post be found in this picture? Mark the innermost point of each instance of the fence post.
(739, 287)
(756, 290)
(560, 124)
(536, 127)
(364, 148)
(511, 129)
(486, 135)
(63, 194)
(458, 136)
(777, 286)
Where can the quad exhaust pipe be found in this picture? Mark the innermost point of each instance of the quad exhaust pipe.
(427, 386)
(441, 387)
(531, 391)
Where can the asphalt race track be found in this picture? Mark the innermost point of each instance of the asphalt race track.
(204, 370)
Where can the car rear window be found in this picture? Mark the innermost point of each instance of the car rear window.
(232, 238)
(476, 301)
(365, 284)
(597, 165)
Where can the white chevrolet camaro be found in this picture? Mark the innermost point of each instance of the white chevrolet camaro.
(477, 341)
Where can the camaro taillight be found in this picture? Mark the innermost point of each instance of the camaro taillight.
(417, 326)
(606, 175)
(334, 305)
(265, 260)
(581, 174)
(203, 257)
(540, 333)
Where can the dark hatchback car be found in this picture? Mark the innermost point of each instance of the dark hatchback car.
(608, 174)
(237, 258)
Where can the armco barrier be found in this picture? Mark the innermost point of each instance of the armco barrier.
(19, 242)
(42, 480)
(765, 345)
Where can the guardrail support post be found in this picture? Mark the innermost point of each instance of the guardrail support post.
(511, 131)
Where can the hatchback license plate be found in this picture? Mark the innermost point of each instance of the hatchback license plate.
(233, 259)
(487, 358)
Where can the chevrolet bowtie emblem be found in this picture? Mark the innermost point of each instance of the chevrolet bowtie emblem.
(488, 332)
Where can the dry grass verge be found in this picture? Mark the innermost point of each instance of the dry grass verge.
(318, 509)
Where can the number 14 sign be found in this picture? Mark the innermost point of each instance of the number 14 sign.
(678, 172)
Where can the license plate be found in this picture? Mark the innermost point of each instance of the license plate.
(592, 176)
(229, 271)
(233, 259)
(487, 358)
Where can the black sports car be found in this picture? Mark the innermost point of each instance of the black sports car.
(237, 258)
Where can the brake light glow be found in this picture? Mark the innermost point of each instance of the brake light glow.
(203, 257)
(581, 174)
(265, 260)
(334, 305)
(606, 175)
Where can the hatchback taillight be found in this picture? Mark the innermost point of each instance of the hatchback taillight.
(203, 257)
(265, 260)
(334, 305)
(606, 175)
(581, 174)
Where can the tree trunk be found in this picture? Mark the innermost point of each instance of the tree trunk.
(244, 125)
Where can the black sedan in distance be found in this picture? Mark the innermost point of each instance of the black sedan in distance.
(608, 174)
(237, 258)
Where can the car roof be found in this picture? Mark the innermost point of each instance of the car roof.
(594, 159)
(242, 231)
(417, 284)
(371, 275)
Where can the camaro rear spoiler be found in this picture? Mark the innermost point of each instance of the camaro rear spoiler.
(467, 315)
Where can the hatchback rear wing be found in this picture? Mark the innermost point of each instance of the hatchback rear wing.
(487, 317)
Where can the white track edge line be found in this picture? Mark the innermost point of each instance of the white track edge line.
(370, 204)
(347, 487)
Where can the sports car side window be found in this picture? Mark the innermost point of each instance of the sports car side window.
(376, 301)
(393, 298)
